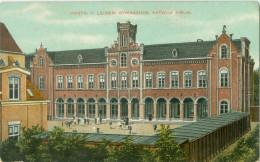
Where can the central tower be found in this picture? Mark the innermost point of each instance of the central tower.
(126, 34)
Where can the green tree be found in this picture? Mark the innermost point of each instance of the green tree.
(256, 87)
(9, 151)
(166, 148)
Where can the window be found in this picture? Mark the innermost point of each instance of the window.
(135, 61)
(223, 107)
(174, 53)
(80, 82)
(80, 58)
(13, 132)
(41, 82)
(124, 40)
(135, 79)
(113, 80)
(187, 79)
(113, 63)
(202, 79)
(123, 59)
(90, 81)
(224, 77)
(174, 79)
(102, 81)
(70, 82)
(161, 79)
(223, 51)
(17, 63)
(148, 80)
(2, 63)
(14, 88)
(41, 61)
(123, 80)
(60, 82)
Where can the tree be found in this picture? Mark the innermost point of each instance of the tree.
(256, 87)
(9, 151)
(166, 148)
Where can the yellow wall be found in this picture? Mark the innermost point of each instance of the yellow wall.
(19, 57)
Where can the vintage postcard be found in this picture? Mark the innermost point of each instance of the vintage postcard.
(129, 81)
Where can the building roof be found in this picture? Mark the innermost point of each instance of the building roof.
(7, 42)
(182, 134)
(32, 93)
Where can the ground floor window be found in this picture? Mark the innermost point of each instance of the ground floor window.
(188, 108)
(202, 108)
(14, 131)
(174, 108)
(223, 107)
(113, 108)
(60, 107)
(135, 108)
(91, 108)
(70, 111)
(124, 108)
(102, 108)
(80, 108)
(148, 108)
(161, 109)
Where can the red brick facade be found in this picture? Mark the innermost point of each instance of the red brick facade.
(218, 82)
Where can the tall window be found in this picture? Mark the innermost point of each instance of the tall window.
(41, 63)
(102, 81)
(123, 59)
(113, 80)
(14, 88)
(124, 40)
(224, 77)
(223, 107)
(148, 80)
(60, 82)
(174, 79)
(202, 79)
(80, 82)
(188, 79)
(223, 51)
(161, 79)
(123, 80)
(90, 81)
(14, 132)
(135, 79)
(70, 82)
(41, 82)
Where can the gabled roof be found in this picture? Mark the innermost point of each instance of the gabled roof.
(36, 94)
(7, 42)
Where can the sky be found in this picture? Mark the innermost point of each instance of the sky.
(58, 28)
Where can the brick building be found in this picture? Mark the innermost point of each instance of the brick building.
(175, 81)
(21, 104)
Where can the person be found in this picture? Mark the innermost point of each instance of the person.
(110, 123)
(130, 129)
(85, 121)
(88, 120)
(154, 127)
(74, 120)
(150, 117)
(78, 120)
(120, 125)
(95, 120)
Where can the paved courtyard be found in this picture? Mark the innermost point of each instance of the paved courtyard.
(143, 128)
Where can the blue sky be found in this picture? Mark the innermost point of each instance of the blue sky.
(51, 23)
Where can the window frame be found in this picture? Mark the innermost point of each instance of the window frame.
(41, 61)
(150, 78)
(135, 82)
(198, 79)
(80, 85)
(99, 81)
(184, 79)
(41, 82)
(13, 124)
(61, 83)
(163, 81)
(220, 108)
(121, 76)
(178, 79)
(220, 78)
(91, 81)
(13, 88)
(72, 82)
(113, 80)
(221, 53)
(123, 59)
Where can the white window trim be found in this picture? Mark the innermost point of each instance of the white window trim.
(220, 77)
(93, 81)
(171, 79)
(19, 90)
(82, 81)
(145, 80)
(121, 60)
(57, 80)
(137, 80)
(220, 105)
(176, 53)
(111, 80)
(184, 79)
(157, 78)
(67, 81)
(198, 78)
(220, 50)
(41, 76)
(121, 80)
(41, 57)
(12, 124)
(99, 81)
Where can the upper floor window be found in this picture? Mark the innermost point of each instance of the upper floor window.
(60, 82)
(174, 53)
(2, 63)
(202, 79)
(80, 58)
(223, 77)
(80, 81)
(91, 81)
(123, 80)
(14, 88)
(135, 79)
(223, 107)
(13, 132)
(123, 60)
(70, 82)
(102, 81)
(148, 80)
(41, 82)
(174, 79)
(41, 62)
(124, 40)
(113, 80)
(224, 52)
(187, 79)
(161, 79)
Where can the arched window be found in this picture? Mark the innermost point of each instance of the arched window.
(113, 108)
(223, 107)
(224, 77)
(113, 80)
(174, 108)
(102, 108)
(135, 108)
(80, 108)
(41, 62)
(148, 108)
(91, 108)
(224, 52)
(60, 107)
(70, 110)
(124, 108)
(123, 80)
(161, 109)
(135, 79)
(123, 60)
